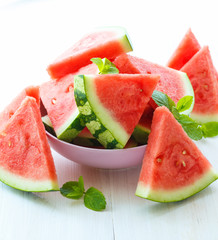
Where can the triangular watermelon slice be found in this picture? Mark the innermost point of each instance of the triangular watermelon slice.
(172, 82)
(203, 77)
(187, 48)
(58, 99)
(103, 43)
(112, 104)
(173, 167)
(26, 161)
(7, 113)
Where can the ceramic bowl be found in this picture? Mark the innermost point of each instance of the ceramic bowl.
(98, 158)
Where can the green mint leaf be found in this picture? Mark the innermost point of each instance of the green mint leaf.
(192, 128)
(209, 129)
(94, 199)
(161, 99)
(184, 103)
(175, 113)
(171, 103)
(105, 66)
(98, 62)
(81, 183)
(72, 190)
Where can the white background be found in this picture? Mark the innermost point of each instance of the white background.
(32, 34)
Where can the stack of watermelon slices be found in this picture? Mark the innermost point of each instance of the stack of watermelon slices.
(110, 108)
(196, 61)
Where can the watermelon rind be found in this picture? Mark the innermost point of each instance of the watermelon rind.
(188, 90)
(140, 134)
(97, 125)
(25, 184)
(204, 118)
(122, 35)
(161, 195)
(48, 125)
(71, 128)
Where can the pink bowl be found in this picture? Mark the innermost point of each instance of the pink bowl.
(98, 158)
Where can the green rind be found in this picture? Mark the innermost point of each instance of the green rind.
(161, 195)
(86, 142)
(123, 37)
(188, 89)
(140, 134)
(27, 185)
(126, 43)
(93, 123)
(71, 128)
(204, 118)
(48, 125)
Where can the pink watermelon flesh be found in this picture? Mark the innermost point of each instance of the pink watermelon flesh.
(121, 96)
(105, 43)
(174, 83)
(173, 167)
(203, 77)
(58, 96)
(7, 113)
(187, 48)
(26, 161)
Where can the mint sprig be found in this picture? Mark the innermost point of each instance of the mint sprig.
(194, 130)
(93, 198)
(105, 66)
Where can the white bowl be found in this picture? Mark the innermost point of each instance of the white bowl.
(98, 158)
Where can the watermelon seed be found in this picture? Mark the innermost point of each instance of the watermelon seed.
(9, 144)
(53, 101)
(11, 114)
(70, 89)
(206, 87)
(159, 160)
(183, 163)
(141, 90)
(184, 152)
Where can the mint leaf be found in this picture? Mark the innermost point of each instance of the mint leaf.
(184, 103)
(175, 113)
(81, 183)
(209, 129)
(105, 66)
(192, 128)
(98, 62)
(72, 190)
(94, 199)
(161, 99)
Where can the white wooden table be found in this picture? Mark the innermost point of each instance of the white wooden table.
(32, 33)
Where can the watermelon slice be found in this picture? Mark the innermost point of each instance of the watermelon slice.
(86, 139)
(187, 48)
(172, 82)
(48, 125)
(112, 104)
(203, 77)
(143, 128)
(26, 161)
(58, 98)
(103, 43)
(173, 167)
(7, 113)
